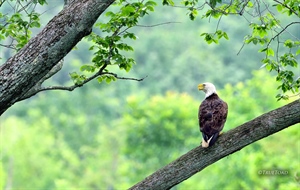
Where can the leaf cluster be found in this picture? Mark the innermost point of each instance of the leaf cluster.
(17, 22)
(110, 50)
(214, 37)
(281, 46)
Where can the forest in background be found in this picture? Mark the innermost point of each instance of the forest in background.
(110, 136)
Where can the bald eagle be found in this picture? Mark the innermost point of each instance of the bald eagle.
(212, 114)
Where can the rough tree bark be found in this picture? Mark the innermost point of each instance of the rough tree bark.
(26, 68)
(228, 143)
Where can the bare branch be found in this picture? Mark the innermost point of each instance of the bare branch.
(154, 25)
(284, 29)
(1, 2)
(73, 87)
(124, 78)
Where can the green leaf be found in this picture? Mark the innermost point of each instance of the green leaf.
(73, 75)
(108, 80)
(88, 68)
(279, 8)
(288, 43)
(225, 36)
(130, 35)
(168, 2)
(270, 52)
(150, 3)
(127, 10)
(263, 50)
(100, 79)
(192, 16)
(35, 24)
(213, 3)
(110, 14)
(249, 4)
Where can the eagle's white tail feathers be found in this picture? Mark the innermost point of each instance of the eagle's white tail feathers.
(206, 144)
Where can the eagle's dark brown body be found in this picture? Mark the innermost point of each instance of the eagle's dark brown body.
(212, 116)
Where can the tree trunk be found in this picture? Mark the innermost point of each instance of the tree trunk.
(22, 71)
(228, 143)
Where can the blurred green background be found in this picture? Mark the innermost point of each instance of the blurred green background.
(111, 136)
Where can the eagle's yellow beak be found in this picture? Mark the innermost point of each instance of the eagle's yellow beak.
(201, 86)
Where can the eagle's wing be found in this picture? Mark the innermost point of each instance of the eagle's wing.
(212, 116)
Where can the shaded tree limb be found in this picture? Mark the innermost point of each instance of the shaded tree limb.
(38, 88)
(234, 140)
(26, 68)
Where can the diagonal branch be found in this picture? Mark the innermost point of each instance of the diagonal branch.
(21, 72)
(124, 78)
(279, 33)
(38, 87)
(159, 24)
(292, 10)
(234, 140)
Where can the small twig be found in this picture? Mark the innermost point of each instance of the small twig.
(241, 49)
(154, 25)
(291, 96)
(277, 49)
(286, 7)
(73, 87)
(219, 21)
(279, 33)
(241, 12)
(10, 46)
(148, 26)
(124, 78)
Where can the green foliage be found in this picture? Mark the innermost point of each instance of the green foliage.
(266, 28)
(214, 37)
(165, 126)
(51, 144)
(17, 23)
(77, 79)
(168, 2)
(109, 50)
(159, 126)
(213, 3)
(107, 78)
(2, 175)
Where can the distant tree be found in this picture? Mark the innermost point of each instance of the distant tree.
(40, 57)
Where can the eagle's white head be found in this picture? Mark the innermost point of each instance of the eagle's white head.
(208, 88)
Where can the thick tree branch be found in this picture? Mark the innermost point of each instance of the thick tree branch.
(37, 88)
(228, 143)
(25, 69)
